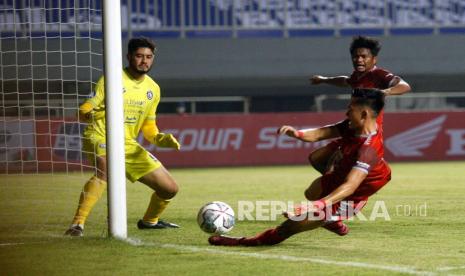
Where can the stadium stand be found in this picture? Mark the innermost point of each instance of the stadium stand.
(265, 49)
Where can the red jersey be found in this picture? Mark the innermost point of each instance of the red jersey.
(364, 153)
(375, 78)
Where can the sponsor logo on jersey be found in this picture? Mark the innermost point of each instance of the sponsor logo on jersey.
(135, 102)
(410, 142)
(102, 146)
(149, 95)
(130, 120)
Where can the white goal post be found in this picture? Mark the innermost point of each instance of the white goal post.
(114, 117)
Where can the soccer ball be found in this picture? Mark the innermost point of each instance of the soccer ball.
(216, 218)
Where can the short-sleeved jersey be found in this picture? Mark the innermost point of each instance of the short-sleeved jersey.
(364, 153)
(375, 78)
(140, 98)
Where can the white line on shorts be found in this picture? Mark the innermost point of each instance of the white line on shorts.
(393, 268)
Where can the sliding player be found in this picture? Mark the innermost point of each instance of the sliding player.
(364, 53)
(141, 97)
(360, 172)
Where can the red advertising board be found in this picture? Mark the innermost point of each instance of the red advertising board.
(249, 139)
(222, 140)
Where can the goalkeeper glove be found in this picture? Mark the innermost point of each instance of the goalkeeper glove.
(166, 141)
(93, 116)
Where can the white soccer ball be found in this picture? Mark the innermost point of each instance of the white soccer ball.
(216, 218)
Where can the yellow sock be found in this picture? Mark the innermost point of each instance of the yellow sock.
(90, 194)
(156, 206)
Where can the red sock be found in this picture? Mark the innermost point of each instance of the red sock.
(337, 227)
(269, 237)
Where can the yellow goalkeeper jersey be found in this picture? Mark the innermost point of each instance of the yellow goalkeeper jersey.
(141, 99)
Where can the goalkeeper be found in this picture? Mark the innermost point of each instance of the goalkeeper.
(141, 97)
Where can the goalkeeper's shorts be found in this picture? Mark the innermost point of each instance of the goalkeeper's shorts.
(139, 161)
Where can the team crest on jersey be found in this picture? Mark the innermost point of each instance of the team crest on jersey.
(124, 89)
(149, 95)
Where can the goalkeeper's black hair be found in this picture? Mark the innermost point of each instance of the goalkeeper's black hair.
(141, 42)
(365, 42)
(373, 98)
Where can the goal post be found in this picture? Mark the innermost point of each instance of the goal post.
(52, 52)
(114, 117)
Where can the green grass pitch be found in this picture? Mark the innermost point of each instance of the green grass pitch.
(424, 236)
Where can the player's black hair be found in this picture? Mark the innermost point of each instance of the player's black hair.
(141, 42)
(373, 98)
(365, 42)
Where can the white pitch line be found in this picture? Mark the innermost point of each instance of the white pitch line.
(401, 269)
(12, 243)
(447, 268)
(18, 243)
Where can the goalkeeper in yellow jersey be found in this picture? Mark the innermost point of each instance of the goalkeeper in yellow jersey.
(141, 97)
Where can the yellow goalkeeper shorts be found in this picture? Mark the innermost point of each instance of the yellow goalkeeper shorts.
(139, 161)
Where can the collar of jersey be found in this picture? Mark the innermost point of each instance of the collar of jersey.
(369, 134)
(131, 78)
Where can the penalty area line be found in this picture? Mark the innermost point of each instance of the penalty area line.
(195, 249)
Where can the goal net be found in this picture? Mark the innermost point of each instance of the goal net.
(51, 56)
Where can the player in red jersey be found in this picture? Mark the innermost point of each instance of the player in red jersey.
(364, 53)
(360, 172)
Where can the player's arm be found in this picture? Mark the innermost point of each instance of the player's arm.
(84, 111)
(366, 160)
(313, 134)
(397, 87)
(87, 111)
(340, 81)
(351, 183)
(154, 136)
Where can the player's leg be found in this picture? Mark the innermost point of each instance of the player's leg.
(271, 236)
(323, 159)
(337, 227)
(331, 215)
(343, 211)
(316, 191)
(319, 158)
(142, 166)
(93, 189)
(165, 188)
